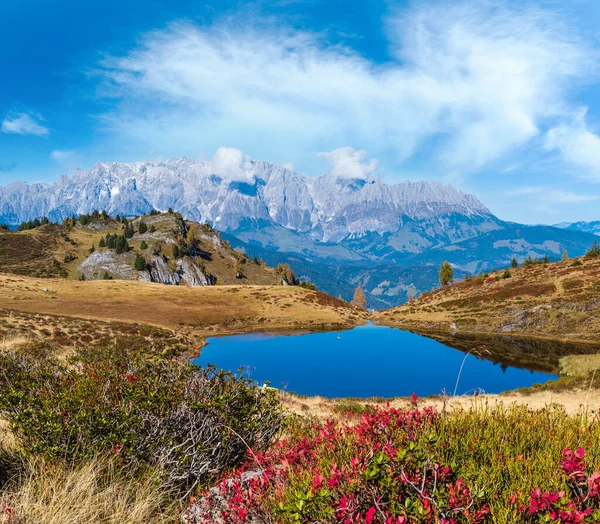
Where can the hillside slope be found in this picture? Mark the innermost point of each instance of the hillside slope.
(60, 309)
(167, 248)
(559, 300)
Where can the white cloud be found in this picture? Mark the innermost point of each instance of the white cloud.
(231, 164)
(468, 82)
(24, 124)
(347, 162)
(576, 145)
(62, 156)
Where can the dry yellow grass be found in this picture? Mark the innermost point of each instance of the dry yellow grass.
(326, 408)
(580, 365)
(201, 310)
(11, 343)
(93, 492)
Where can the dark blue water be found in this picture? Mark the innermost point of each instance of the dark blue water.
(363, 362)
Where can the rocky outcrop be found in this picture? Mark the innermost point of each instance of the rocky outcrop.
(116, 266)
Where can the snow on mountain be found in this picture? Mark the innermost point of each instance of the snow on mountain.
(327, 208)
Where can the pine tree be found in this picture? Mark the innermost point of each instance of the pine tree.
(121, 245)
(92, 249)
(565, 255)
(143, 245)
(129, 231)
(170, 211)
(142, 228)
(111, 241)
(514, 263)
(45, 221)
(82, 277)
(359, 298)
(102, 242)
(140, 263)
(446, 273)
(411, 295)
(546, 260)
(152, 228)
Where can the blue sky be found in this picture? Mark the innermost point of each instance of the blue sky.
(500, 99)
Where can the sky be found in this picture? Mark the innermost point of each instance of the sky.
(500, 99)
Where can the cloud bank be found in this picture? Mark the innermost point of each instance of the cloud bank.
(469, 83)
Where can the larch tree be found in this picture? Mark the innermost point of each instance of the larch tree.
(359, 298)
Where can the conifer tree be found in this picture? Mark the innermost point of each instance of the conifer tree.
(140, 263)
(129, 230)
(111, 241)
(143, 245)
(102, 242)
(142, 228)
(565, 255)
(446, 273)
(92, 249)
(359, 298)
(514, 263)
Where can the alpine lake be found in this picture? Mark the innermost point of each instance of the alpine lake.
(378, 361)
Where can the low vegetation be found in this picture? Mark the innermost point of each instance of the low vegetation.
(116, 435)
(396, 466)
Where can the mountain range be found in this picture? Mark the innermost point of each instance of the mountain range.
(588, 227)
(336, 231)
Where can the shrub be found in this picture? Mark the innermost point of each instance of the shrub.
(482, 465)
(377, 471)
(191, 422)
